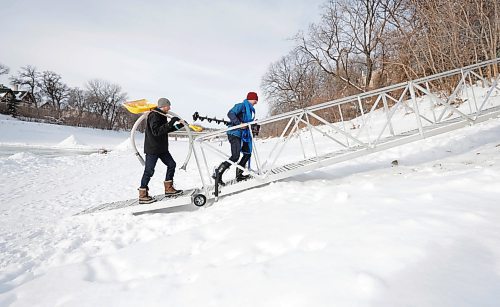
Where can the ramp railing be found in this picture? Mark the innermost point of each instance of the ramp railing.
(357, 125)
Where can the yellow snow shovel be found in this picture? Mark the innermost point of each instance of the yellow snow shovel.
(143, 105)
(139, 106)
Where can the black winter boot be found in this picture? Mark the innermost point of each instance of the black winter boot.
(240, 176)
(220, 171)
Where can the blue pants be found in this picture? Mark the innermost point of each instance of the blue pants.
(237, 147)
(149, 168)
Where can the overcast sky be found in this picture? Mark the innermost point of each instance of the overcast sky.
(202, 55)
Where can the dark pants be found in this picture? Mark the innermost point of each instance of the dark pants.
(237, 148)
(149, 168)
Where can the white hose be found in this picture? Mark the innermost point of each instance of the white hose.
(170, 114)
(190, 137)
(132, 138)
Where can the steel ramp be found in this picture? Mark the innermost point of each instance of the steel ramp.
(133, 206)
(344, 129)
(429, 111)
(303, 166)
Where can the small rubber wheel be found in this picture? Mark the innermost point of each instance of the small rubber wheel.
(199, 200)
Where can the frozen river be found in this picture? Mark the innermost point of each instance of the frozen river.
(6, 151)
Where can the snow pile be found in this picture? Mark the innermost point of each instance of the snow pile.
(124, 146)
(23, 157)
(71, 142)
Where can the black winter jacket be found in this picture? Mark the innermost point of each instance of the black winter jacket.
(157, 129)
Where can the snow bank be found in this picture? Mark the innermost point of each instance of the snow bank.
(124, 146)
(360, 233)
(23, 157)
(71, 142)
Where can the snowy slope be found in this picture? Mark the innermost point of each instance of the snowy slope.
(19, 133)
(360, 233)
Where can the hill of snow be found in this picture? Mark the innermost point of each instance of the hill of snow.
(359, 233)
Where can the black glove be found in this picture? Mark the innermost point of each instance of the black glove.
(174, 119)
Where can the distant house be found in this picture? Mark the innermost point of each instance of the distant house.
(46, 106)
(6, 94)
(23, 98)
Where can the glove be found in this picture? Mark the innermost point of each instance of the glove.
(174, 119)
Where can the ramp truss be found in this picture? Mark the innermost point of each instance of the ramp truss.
(358, 125)
(341, 130)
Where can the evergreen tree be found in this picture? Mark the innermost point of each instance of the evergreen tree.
(12, 106)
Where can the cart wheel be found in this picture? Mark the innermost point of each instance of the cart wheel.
(199, 200)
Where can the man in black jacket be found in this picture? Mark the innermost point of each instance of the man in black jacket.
(156, 147)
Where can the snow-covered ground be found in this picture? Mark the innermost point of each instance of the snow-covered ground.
(360, 233)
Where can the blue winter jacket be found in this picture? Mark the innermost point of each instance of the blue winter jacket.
(242, 112)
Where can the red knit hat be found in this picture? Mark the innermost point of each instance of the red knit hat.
(252, 96)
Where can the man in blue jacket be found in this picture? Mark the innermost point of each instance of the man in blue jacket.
(240, 139)
(156, 147)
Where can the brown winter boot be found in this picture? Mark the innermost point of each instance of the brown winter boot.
(144, 198)
(169, 188)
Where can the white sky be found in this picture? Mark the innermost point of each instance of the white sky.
(202, 55)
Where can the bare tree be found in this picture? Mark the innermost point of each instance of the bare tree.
(399, 56)
(362, 44)
(433, 36)
(3, 69)
(28, 77)
(348, 40)
(77, 102)
(328, 44)
(366, 22)
(97, 105)
(481, 19)
(77, 99)
(96, 100)
(291, 83)
(54, 89)
(104, 99)
(115, 99)
(124, 119)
